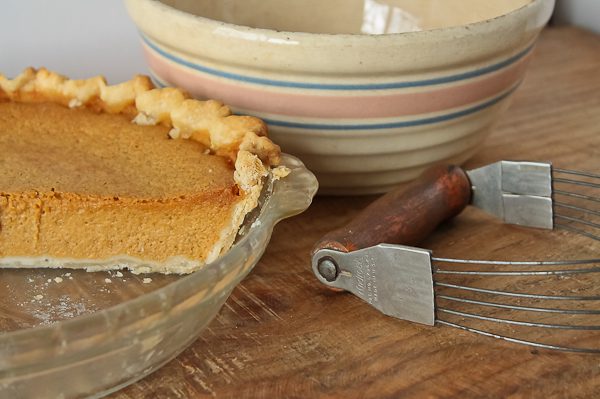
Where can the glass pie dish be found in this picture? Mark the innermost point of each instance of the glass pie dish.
(69, 333)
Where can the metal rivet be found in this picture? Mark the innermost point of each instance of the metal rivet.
(328, 269)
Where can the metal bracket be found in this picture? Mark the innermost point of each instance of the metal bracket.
(517, 192)
(395, 279)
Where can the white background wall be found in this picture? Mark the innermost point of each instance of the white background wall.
(80, 38)
(77, 38)
(585, 13)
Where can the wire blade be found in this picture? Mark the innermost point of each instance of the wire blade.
(576, 230)
(576, 173)
(523, 308)
(575, 208)
(519, 273)
(520, 323)
(520, 341)
(576, 195)
(518, 263)
(576, 220)
(576, 182)
(518, 294)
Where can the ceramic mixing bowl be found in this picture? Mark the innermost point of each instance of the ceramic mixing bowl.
(367, 93)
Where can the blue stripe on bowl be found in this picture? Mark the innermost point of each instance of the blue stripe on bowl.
(157, 80)
(320, 86)
(391, 125)
(394, 125)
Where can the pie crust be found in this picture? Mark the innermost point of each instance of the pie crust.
(240, 139)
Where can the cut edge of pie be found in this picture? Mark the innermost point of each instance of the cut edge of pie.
(242, 139)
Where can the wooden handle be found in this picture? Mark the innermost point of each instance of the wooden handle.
(406, 215)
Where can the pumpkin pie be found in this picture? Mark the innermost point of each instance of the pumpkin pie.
(103, 177)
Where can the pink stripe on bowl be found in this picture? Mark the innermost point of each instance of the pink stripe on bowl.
(301, 104)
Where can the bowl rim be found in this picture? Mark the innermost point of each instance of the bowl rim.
(287, 36)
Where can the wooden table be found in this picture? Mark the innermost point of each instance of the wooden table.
(282, 334)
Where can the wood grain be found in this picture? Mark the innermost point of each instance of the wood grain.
(282, 335)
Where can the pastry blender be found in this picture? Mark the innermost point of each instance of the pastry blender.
(374, 258)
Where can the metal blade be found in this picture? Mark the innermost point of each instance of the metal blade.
(517, 192)
(395, 279)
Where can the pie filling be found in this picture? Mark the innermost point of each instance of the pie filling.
(82, 187)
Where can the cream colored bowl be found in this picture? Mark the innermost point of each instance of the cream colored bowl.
(367, 93)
